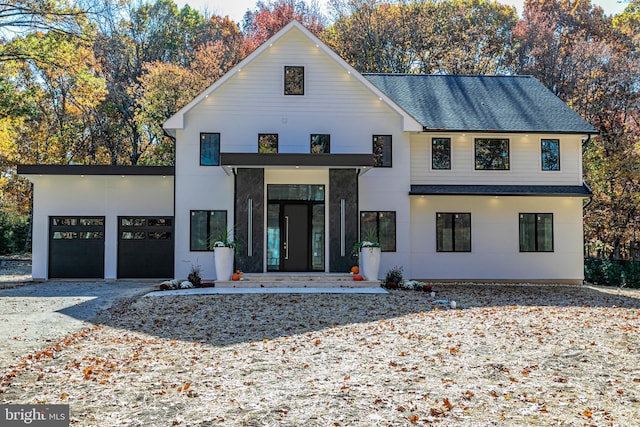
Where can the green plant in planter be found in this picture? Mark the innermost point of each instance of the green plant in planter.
(370, 240)
(194, 276)
(393, 279)
(224, 240)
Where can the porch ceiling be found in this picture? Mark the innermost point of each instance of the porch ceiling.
(230, 161)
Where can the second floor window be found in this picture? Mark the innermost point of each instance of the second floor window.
(441, 153)
(209, 149)
(382, 151)
(550, 154)
(492, 154)
(320, 144)
(268, 143)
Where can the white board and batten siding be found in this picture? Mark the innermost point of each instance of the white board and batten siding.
(524, 158)
(95, 195)
(252, 102)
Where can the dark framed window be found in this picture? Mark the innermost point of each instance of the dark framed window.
(320, 144)
(205, 227)
(441, 153)
(293, 80)
(380, 226)
(268, 143)
(536, 232)
(550, 154)
(492, 154)
(453, 232)
(382, 151)
(209, 149)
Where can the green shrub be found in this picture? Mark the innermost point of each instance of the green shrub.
(605, 272)
(14, 231)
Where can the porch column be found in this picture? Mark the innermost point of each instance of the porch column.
(249, 220)
(343, 218)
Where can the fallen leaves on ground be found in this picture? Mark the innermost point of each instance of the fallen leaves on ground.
(513, 355)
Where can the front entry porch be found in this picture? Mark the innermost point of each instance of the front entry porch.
(298, 280)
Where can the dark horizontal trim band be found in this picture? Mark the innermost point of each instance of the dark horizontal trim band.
(501, 190)
(295, 159)
(95, 170)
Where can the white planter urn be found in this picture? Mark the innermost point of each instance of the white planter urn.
(223, 258)
(370, 262)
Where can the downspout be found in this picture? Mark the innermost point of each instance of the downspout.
(590, 199)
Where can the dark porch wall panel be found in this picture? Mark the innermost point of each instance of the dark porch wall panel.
(343, 184)
(249, 185)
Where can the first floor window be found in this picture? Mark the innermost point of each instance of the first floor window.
(209, 149)
(492, 154)
(382, 151)
(550, 154)
(206, 226)
(536, 232)
(268, 143)
(320, 144)
(441, 153)
(453, 232)
(380, 227)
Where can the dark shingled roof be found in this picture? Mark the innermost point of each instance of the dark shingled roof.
(480, 103)
(501, 190)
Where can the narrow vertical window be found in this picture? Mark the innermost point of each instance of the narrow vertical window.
(536, 232)
(550, 154)
(453, 232)
(441, 153)
(320, 144)
(382, 151)
(209, 149)
(293, 80)
(492, 154)
(379, 226)
(268, 143)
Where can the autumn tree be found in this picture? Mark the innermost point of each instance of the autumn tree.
(270, 16)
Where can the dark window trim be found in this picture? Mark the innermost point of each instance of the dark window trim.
(284, 80)
(475, 153)
(395, 228)
(328, 135)
(260, 135)
(541, 153)
(201, 139)
(373, 149)
(208, 211)
(553, 237)
(432, 165)
(453, 233)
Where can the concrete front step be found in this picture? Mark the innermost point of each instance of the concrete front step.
(293, 280)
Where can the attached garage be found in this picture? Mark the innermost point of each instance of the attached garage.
(76, 247)
(145, 247)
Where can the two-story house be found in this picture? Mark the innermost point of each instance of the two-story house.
(458, 177)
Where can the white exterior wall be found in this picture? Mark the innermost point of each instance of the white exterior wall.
(495, 252)
(108, 196)
(252, 102)
(524, 159)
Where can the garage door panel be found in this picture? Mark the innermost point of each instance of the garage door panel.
(76, 247)
(145, 247)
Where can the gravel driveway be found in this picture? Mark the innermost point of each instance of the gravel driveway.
(36, 315)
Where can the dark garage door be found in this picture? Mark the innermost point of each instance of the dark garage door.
(76, 247)
(145, 247)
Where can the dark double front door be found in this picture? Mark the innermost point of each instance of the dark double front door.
(295, 231)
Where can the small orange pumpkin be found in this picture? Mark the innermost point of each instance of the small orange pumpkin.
(358, 278)
(235, 277)
(355, 269)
